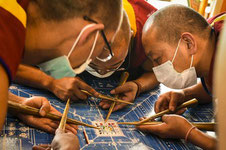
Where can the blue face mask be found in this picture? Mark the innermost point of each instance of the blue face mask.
(60, 67)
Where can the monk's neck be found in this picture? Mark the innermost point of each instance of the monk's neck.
(208, 49)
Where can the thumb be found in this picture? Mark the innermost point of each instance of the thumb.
(155, 129)
(119, 89)
(59, 131)
(181, 111)
(41, 147)
(172, 103)
(166, 118)
(45, 107)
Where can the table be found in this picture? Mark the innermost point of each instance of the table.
(18, 136)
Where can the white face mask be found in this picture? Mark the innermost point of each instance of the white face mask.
(96, 74)
(82, 67)
(167, 75)
(60, 67)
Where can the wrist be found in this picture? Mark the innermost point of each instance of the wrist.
(138, 87)
(14, 98)
(187, 94)
(48, 84)
(187, 135)
(202, 140)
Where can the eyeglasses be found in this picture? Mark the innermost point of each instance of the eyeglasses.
(123, 67)
(104, 37)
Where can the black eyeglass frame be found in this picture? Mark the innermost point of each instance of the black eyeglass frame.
(102, 33)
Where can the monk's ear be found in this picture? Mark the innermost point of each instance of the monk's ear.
(88, 32)
(189, 40)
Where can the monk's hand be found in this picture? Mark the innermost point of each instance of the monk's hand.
(42, 147)
(62, 141)
(43, 123)
(70, 87)
(170, 100)
(65, 141)
(126, 92)
(173, 126)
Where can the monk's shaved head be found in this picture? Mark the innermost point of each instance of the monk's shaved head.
(173, 20)
(60, 10)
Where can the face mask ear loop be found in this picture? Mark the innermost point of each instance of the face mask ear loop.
(191, 61)
(94, 44)
(78, 38)
(88, 60)
(176, 50)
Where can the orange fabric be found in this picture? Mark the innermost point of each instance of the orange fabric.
(131, 15)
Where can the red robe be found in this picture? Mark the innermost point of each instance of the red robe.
(217, 27)
(142, 11)
(12, 34)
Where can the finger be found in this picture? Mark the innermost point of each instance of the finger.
(142, 118)
(103, 102)
(45, 125)
(54, 111)
(46, 128)
(52, 124)
(159, 103)
(74, 97)
(173, 102)
(59, 131)
(120, 89)
(74, 126)
(84, 86)
(34, 101)
(165, 105)
(71, 129)
(79, 94)
(181, 111)
(40, 123)
(45, 108)
(106, 106)
(119, 106)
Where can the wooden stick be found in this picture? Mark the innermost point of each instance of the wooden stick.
(202, 7)
(20, 108)
(206, 126)
(115, 99)
(105, 97)
(86, 136)
(167, 111)
(64, 116)
(122, 81)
